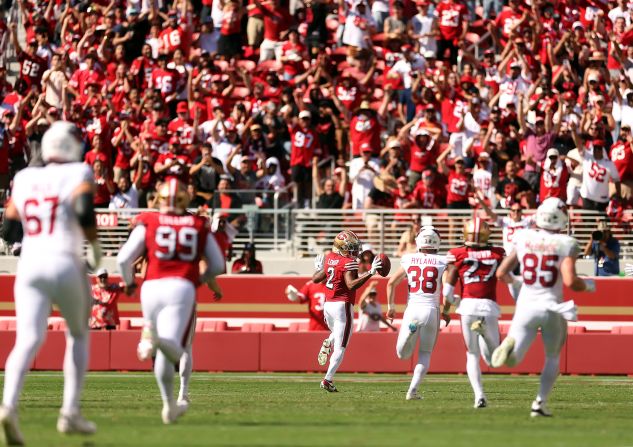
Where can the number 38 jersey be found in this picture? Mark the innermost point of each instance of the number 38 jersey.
(335, 285)
(540, 254)
(43, 197)
(174, 245)
(477, 267)
(424, 275)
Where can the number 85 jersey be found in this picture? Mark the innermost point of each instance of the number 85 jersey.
(174, 244)
(424, 275)
(540, 254)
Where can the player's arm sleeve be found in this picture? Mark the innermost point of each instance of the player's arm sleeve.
(130, 252)
(214, 257)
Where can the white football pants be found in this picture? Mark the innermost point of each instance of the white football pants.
(40, 283)
(477, 345)
(339, 317)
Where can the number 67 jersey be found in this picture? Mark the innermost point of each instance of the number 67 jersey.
(540, 254)
(424, 276)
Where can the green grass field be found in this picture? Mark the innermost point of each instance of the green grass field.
(291, 410)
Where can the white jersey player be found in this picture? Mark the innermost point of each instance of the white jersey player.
(55, 206)
(421, 319)
(548, 261)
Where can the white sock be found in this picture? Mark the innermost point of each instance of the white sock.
(422, 367)
(548, 377)
(75, 365)
(335, 361)
(474, 374)
(18, 364)
(186, 366)
(164, 372)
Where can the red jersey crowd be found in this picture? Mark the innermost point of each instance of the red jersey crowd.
(423, 104)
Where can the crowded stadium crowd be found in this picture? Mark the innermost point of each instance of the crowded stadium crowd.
(419, 104)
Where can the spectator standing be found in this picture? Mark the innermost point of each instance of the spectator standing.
(105, 297)
(605, 250)
(514, 189)
(305, 145)
(597, 171)
(362, 171)
(453, 24)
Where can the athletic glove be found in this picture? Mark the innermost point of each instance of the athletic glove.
(318, 262)
(376, 265)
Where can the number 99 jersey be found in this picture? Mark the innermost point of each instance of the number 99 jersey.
(540, 254)
(477, 267)
(424, 275)
(174, 245)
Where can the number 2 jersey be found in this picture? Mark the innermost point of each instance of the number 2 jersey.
(424, 275)
(335, 285)
(44, 198)
(477, 267)
(540, 254)
(174, 244)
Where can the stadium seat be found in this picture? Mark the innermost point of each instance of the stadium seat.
(213, 326)
(57, 326)
(576, 329)
(298, 327)
(125, 324)
(258, 327)
(7, 325)
(622, 330)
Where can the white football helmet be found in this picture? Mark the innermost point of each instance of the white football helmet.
(428, 239)
(552, 215)
(62, 143)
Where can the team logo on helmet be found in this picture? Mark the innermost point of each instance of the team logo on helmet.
(347, 244)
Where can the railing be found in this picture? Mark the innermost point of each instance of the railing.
(305, 232)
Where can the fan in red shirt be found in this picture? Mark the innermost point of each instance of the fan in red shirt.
(475, 264)
(305, 142)
(175, 163)
(181, 125)
(78, 84)
(428, 193)
(622, 154)
(141, 68)
(313, 294)
(348, 92)
(165, 79)
(105, 312)
(453, 26)
(32, 66)
(422, 153)
(364, 128)
(458, 185)
(174, 36)
(554, 177)
(508, 19)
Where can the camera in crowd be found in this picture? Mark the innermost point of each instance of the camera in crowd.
(597, 235)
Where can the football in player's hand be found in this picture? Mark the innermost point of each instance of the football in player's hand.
(386, 264)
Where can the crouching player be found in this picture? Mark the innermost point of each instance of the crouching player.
(174, 243)
(339, 270)
(475, 264)
(548, 260)
(421, 319)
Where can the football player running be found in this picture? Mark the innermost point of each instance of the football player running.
(174, 243)
(55, 206)
(548, 261)
(421, 319)
(339, 270)
(475, 264)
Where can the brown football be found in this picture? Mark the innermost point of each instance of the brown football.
(386, 264)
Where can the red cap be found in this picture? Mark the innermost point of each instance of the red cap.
(182, 107)
(600, 143)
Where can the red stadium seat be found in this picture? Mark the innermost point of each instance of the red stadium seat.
(622, 330)
(258, 327)
(57, 326)
(7, 325)
(298, 327)
(125, 324)
(576, 329)
(214, 326)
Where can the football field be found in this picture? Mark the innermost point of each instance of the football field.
(291, 410)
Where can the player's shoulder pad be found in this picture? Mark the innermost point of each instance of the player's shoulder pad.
(80, 171)
(569, 246)
(143, 219)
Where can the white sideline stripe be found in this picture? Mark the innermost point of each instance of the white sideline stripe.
(311, 377)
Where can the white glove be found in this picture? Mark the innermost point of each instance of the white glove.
(590, 285)
(291, 293)
(628, 269)
(351, 266)
(376, 265)
(93, 254)
(318, 262)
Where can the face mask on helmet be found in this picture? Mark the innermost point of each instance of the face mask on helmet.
(552, 215)
(347, 244)
(173, 197)
(476, 233)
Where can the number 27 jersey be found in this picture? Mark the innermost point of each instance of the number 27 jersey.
(174, 245)
(424, 275)
(477, 268)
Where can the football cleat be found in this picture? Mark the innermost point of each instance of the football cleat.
(146, 348)
(413, 326)
(70, 424)
(328, 386)
(478, 326)
(501, 354)
(324, 352)
(183, 400)
(481, 403)
(10, 427)
(171, 413)
(413, 395)
(539, 409)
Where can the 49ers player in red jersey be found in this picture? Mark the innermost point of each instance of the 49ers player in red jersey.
(313, 294)
(174, 243)
(475, 264)
(339, 270)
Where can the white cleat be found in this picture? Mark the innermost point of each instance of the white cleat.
(10, 427)
(482, 402)
(501, 354)
(70, 424)
(478, 326)
(171, 413)
(324, 352)
(183, 400)
(539, 409)
(146, 348)
(413, 395)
